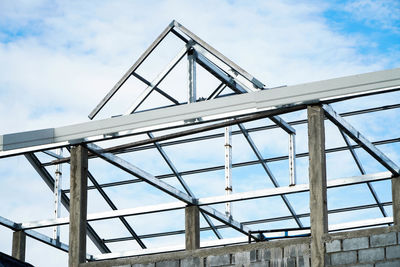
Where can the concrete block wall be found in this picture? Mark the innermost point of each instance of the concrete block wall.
(374, 247)
(367, 248)
(297, 255)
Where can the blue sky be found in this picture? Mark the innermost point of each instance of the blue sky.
(59, 58)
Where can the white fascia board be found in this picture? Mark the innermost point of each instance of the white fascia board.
(272, 99)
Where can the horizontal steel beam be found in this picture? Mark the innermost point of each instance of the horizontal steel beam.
(231, 241)
(202, 202)
(361, 140)
(220, 108)
(38, 236)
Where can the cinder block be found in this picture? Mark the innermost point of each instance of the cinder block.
(242, 258)
(355, 243)
(393, 252)
(218, 260)
(126, 265)
(362, 265)
(272, 254)
(260, 264)
(255, 255)
(341, 258)
(333, 246)
(174, 263)
(371, 255)
(190, 262)
(290, 262)
(388, 264)
(143, 265)
(384, 239)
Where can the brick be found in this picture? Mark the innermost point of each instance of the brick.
(388, 264)
(383, 240)
(333, 246)
(190, 262)
(393, 252)
(355, 243)
(371, 255)
(174, 263)
(218, 260)
(340, 258)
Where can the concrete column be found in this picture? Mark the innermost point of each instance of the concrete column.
(78, 206)
(396, 200)
(317, 177)
(192, 228)
(18, 245)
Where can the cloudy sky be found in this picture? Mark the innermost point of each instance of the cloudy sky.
(59, 58)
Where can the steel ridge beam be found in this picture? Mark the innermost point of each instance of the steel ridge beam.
(361, 140)
(220, 108)
(202, 202)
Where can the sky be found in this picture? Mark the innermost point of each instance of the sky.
(59, 58)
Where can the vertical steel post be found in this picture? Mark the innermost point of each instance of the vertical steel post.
(191, 75)
(317, 177)
(78, 206)
(57, 195)
(292, 159)
(228, 168)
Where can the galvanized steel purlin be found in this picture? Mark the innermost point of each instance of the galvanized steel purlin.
(361, 140)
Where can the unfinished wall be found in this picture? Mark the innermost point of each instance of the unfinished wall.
(376, 247)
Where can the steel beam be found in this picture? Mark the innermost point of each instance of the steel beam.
(281, 99)
(361, 140)
(130, 71)
(220, 56)
(160, 77)
(268, 192)
(269, 173)
(362, 171)
(157, 89)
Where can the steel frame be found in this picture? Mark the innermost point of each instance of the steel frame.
(253, 101)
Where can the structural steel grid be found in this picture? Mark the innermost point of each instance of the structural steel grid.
(222, 162)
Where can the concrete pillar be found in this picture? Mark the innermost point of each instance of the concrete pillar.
(18, 245)
(192, 228)
(317, 177)
(78, 206)
(396, 200)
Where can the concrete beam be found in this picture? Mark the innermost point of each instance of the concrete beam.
(18, 245)
(317, 177)
(78, 206)
(192, 228)
(396, 200)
